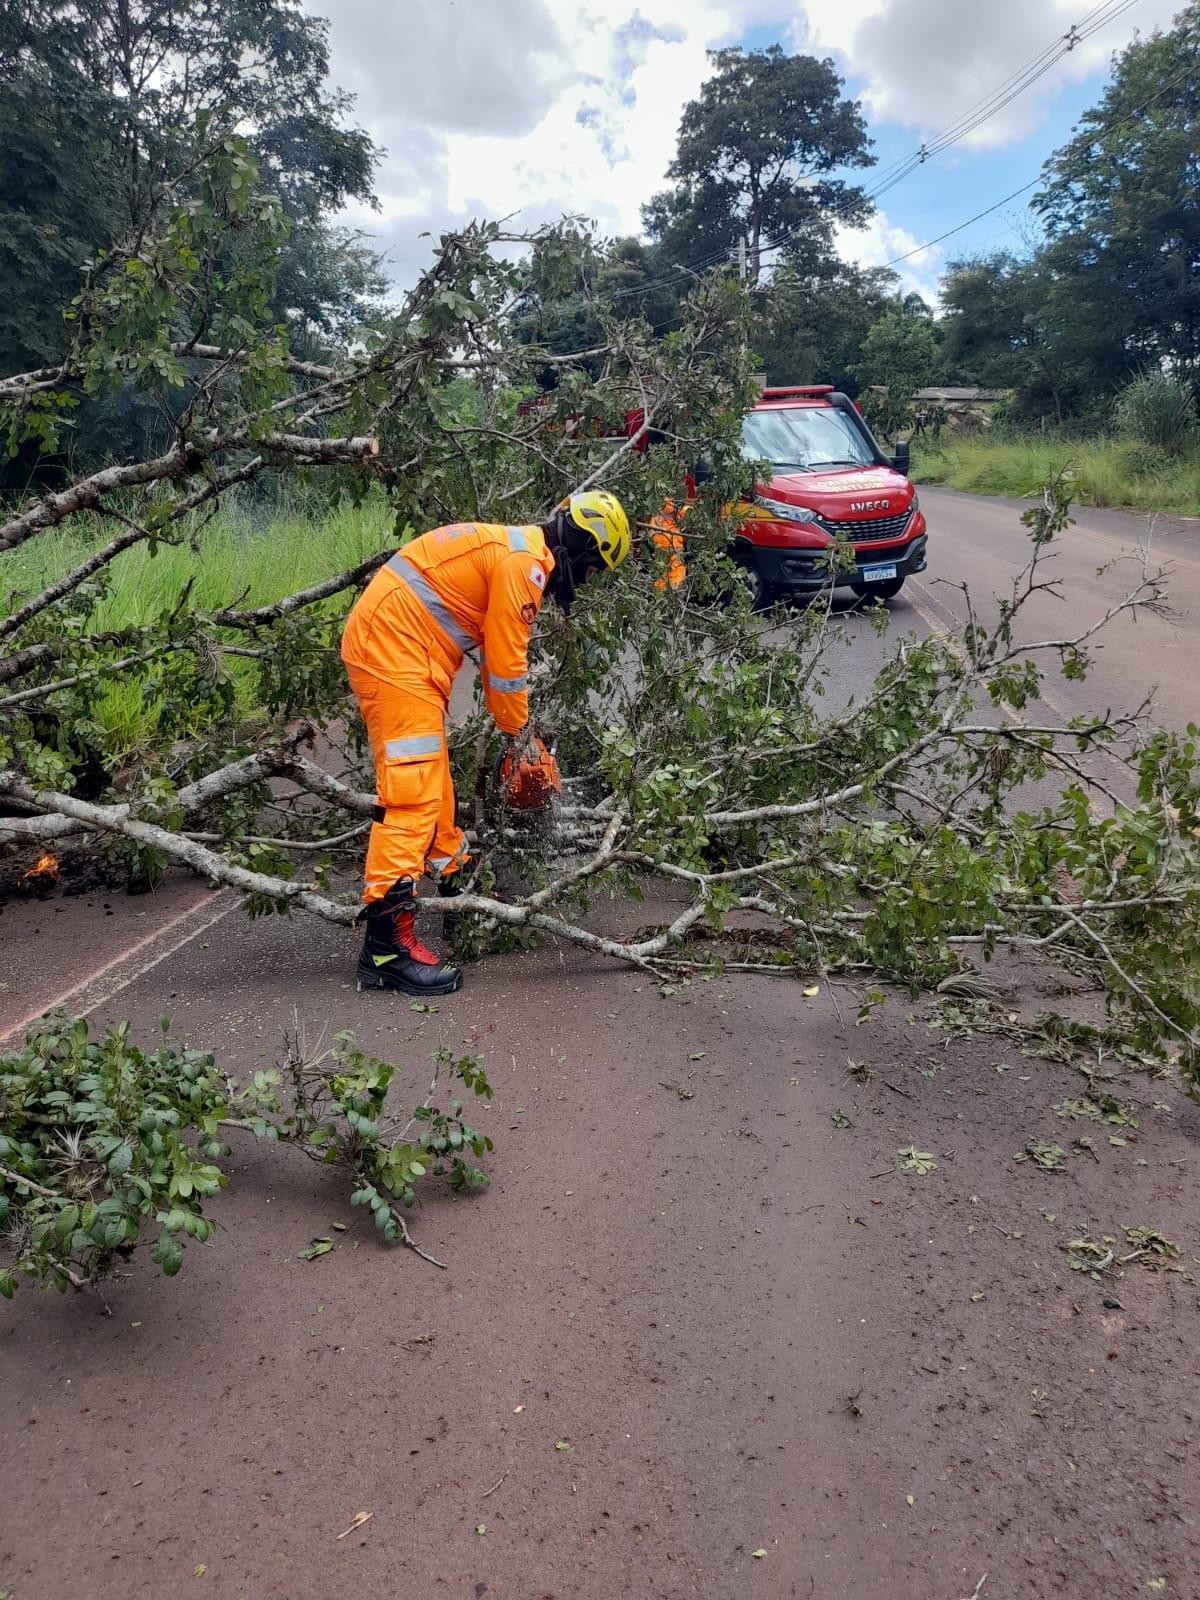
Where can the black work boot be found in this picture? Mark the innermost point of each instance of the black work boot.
(392, 955)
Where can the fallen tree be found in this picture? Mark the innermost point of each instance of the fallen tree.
(893, 837)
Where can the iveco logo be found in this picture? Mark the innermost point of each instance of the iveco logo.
(870, 505)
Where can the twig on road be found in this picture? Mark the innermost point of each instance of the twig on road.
(412, 1243)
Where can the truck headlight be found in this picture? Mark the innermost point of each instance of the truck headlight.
(785, 513)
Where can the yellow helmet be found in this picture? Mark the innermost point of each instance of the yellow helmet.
(601, 515)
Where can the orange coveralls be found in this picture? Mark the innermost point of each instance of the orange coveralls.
(471, 588)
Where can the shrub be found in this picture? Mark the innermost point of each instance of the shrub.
(1158, 409)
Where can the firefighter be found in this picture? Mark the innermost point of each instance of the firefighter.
(469, 589)
(665, 536)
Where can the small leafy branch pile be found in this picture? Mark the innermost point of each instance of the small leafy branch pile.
(893, 838)
(104, 1146)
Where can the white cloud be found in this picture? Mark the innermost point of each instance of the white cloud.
(544, 107)
(882, 242)
(537, 108)
(454, 64)
(926, 62)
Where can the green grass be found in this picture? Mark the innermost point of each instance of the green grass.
(1106, 472)
(244, 558)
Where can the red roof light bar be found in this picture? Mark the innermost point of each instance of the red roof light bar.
(812, 390)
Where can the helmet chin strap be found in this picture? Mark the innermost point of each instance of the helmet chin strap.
(575, 557)
(562, 579)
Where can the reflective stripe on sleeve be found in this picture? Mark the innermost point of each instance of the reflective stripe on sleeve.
(422, 744)
(432, 602)
(517, 540)
(508, 685)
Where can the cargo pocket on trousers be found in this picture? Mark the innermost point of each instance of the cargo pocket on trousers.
(411, 771)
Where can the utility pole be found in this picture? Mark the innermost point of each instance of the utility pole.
(744, 274)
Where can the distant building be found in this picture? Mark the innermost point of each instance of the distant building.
(959, 400)
(963, 411)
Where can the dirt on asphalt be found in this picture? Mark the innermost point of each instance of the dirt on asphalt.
(701, 1337)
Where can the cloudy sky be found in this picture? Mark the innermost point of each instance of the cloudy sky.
(542, 107)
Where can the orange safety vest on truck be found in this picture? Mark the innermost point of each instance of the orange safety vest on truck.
(472, 588)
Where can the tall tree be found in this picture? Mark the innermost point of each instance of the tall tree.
(755, 158)
(987, 301)
(572, 297)
(1009, 325)
(57, 190)
(1121, 205)
(814, 316)
(102, 100)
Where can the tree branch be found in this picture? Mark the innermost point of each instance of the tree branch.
(305, 597)
(28, 1183)
(181, 460)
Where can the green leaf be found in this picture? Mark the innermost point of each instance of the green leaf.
(916, 1161)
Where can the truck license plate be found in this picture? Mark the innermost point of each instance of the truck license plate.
(878, 574)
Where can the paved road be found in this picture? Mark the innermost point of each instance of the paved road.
(751, 1333)
(980, 543)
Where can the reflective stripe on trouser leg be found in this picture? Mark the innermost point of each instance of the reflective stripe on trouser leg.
(449, 852)
(409, 746)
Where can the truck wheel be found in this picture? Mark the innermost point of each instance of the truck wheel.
(878, 591)
(761, 595)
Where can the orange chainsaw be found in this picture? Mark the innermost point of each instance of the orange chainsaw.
(527, 776)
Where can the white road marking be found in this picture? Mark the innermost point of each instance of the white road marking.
(107, 981)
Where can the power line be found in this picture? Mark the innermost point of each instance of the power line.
(990, 105)
(1102, 133)
(1004, 94)
(978, 217)
(1033, 182)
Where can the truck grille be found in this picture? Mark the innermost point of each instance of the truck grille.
(859, 531)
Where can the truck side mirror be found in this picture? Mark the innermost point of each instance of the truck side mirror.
(902, 456)
(702, 471)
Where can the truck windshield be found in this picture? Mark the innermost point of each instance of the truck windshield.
(804, 438)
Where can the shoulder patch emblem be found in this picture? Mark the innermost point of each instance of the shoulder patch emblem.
(529, 613)
(537, 576)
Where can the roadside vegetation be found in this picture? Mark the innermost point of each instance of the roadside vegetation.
(261, 553)
(1147, 457)
(1102, 471)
